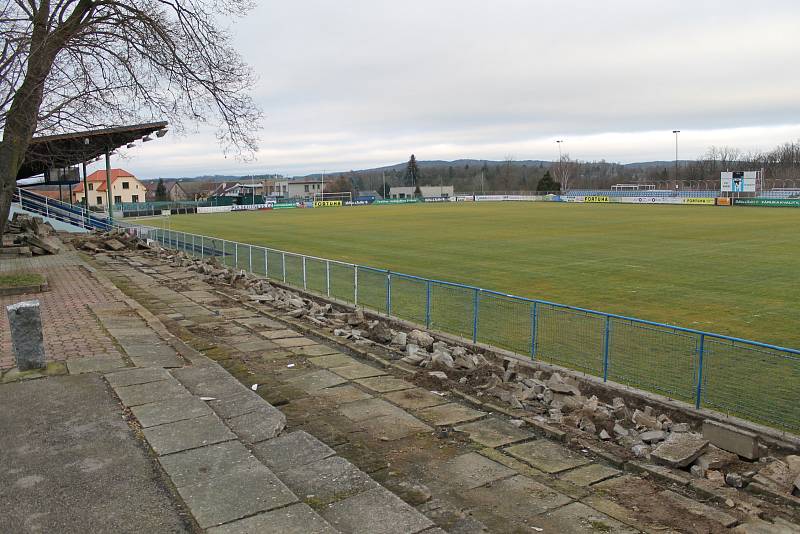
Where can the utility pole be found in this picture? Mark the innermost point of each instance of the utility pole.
(322, 184)
(481, 181)
(383, 191)
(676, 132)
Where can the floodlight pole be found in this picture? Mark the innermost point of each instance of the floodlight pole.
(108, 186)
(85, 189)
(676, 132)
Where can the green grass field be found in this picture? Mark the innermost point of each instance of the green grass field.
(726, 270)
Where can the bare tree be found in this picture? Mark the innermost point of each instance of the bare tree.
(563, 170)
(67, 65)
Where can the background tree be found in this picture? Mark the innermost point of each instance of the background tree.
(412, 176)
(547, 184)
(68, 65)
(564, 170)
(161, 190)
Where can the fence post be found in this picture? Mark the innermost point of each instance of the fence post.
(283, 261)
(428, 304)
(475, 301)
(606, 337)
(328, 277)
(534, 321)
(250, 259)
(235, 254)
(194, 247)
(304, 273)
(701, 353)
(202, 248)
(46, 207)
(388, 292)
(266, 263)
(355, 285)
(223, 252)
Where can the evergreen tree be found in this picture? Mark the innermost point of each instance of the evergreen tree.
(412, 175)
(161, 190)
(547, 184)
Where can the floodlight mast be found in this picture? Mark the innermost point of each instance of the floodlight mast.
(676, 132)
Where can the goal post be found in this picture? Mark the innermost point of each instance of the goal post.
(345, 196)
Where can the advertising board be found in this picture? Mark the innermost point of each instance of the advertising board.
(397, 201)
(768, 202)
(699, 201)
(251, 207)
(327, 203)
(596, 199)
(739, 181)
(214, 209)
(504, 198)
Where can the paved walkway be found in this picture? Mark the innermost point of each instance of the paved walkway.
(71, 330)
(259, 428)
(463, 469)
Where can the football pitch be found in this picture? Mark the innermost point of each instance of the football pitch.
(733, 271)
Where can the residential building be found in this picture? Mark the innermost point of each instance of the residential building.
(189, 190)
(428, 191)
(125, 188)
(293, 188)
(238, 190)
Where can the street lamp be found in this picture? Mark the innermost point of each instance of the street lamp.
(558, 142)
(676, 132)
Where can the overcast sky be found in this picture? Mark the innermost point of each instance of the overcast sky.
(353, 84)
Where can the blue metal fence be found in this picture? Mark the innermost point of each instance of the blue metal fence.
(745, 378)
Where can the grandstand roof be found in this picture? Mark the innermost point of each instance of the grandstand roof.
(66, 150)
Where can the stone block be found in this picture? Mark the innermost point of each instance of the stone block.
(328, 480)
(295, 519)
(26, 334)
(680, 450)
(264, 423)
(291, 450)
(731, 439)
(378, 512)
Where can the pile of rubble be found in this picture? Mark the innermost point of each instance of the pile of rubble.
(114, 240)
(26, 235)
(719, 453)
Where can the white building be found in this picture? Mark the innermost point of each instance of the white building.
(125, 187)
(428, 191)
(293, 188)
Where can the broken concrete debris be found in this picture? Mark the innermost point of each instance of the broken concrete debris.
(721, 454)
(29, 236)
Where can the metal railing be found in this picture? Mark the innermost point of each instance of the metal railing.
(73, 214)
(756, 381)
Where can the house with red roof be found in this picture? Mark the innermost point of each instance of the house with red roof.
(125, 188)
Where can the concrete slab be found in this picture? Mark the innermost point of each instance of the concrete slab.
(470, 470)
(151, 392)
(94, 365)
(279, 334)
(415, 399)
(577, 518)
(384, 384)
(294, 519)
(70, 463)
(730, 438)
(294, 342)
(209, 381)
(197, 466)
(518, 498)
(235, 313)
(314, 350)
(240, 404)
(170, 411)
(358, 370)
(263, 423)
(449, 414)
(328, 480)
(547, 456)
(680, 449)
(188, 434)
(137, 376)
(234, 496)
(255, 345)
(394, 427)
(494, 432)
(342, 394)
(336, 359)
(259, 322)
(316, 380)
(590, 474)
(369, 409)
(291, 450)
(698, 508)
(378, 512)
